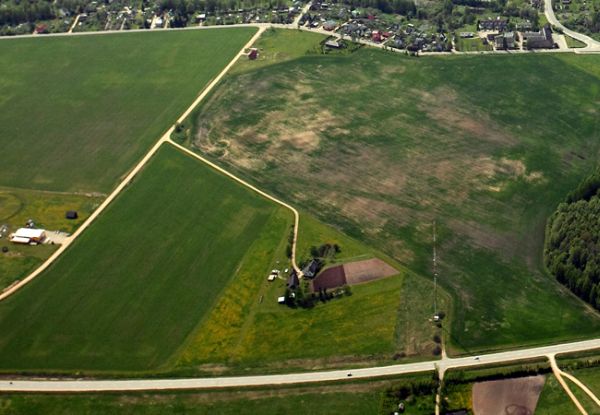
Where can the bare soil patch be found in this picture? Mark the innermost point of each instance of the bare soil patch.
(330, 278)
(368, 270)
(508, 396)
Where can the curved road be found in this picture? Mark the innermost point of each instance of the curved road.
(592, 45)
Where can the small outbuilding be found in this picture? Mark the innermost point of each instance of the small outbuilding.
(253, 54)
(71, 214)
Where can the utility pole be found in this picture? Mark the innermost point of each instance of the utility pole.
(435, 275)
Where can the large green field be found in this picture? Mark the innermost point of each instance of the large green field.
(382, 145)
(135, 284)
(77, 112)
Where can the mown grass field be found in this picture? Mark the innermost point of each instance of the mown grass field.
(77, 112)
(380, 146)
(137, 282)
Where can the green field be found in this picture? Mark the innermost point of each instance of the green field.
(381, 145)
(77, 112)
(349, 400)
(248, 329)
(136, 283)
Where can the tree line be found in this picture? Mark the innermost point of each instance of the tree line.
(572, 247)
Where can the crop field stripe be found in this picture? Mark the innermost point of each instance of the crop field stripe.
(128, 293)
(130, 176)
(255, 189)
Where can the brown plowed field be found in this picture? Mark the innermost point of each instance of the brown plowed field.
(517, 396)
(353, 273)
(330, 278)
(367, 270)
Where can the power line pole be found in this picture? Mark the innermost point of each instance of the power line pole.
(435, 275)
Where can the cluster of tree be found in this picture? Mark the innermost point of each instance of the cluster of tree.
(326, 250)
(476, 375)
(592, 23)
(188, 7)
(572, 251)
(16, 13)
(406, 391)
(404, 7)
(303, 298)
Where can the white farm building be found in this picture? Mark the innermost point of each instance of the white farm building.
(28, 235)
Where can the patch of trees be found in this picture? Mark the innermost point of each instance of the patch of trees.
(302, 296)
(407, 391)
(572, 248)
(14, 14)
(326, 250)
(404, 7)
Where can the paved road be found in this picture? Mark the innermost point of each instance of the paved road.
(288, 379)
(592, 45)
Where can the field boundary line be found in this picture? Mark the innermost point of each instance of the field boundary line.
(254, 189)
(130, 176)
(558, 373)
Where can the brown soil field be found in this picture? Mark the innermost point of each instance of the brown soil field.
(507, 397)
(367, 270)
(330, 278)
(353, 273)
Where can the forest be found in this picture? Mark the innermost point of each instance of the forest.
(573, 241)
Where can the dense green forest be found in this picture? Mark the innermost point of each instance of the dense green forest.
(572, 252)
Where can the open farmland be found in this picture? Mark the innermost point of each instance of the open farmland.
(77, 112)
(381, 146)
(248, 329)
(129, 291)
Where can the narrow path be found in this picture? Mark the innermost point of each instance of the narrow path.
(130, 176)
(583, 387)
(74, 24)
(580, 385)
(558, 373)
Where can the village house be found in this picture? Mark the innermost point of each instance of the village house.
(496, 24)
(539, 40)
(505, 41)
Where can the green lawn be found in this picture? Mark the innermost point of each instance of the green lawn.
(381, 145)
(77, 112)
(574, 43)
(472, 45)
(137, 282)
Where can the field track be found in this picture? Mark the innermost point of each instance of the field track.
(164, 139)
